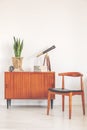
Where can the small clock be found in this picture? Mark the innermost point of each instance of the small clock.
(11, 68)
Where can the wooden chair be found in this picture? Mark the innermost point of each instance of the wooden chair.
(67, 92)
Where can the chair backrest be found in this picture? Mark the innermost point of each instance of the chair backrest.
(72, 74)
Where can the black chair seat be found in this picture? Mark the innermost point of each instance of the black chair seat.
(60, 90)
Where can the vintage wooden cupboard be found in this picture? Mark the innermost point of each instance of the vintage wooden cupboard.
(28, 85)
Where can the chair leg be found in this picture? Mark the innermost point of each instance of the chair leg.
(51, 103)
(83, 103)
(63, 102)
(48, 106)
(70, 105)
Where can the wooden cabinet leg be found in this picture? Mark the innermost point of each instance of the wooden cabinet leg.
(51, 103)
(8, 103)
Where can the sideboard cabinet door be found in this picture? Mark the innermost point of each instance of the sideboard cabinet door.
(21, 85)
(37, 85)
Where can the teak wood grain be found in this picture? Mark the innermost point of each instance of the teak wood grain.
(28, 85)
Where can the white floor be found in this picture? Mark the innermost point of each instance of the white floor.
(35, 118)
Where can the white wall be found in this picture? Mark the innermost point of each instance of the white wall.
(42, 23)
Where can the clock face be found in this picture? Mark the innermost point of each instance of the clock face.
(11, 68)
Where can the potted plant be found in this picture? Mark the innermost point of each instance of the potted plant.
(17, 60)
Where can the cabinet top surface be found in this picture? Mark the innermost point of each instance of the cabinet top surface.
(29, 72)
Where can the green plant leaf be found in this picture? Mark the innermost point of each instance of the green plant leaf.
(18, 47)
